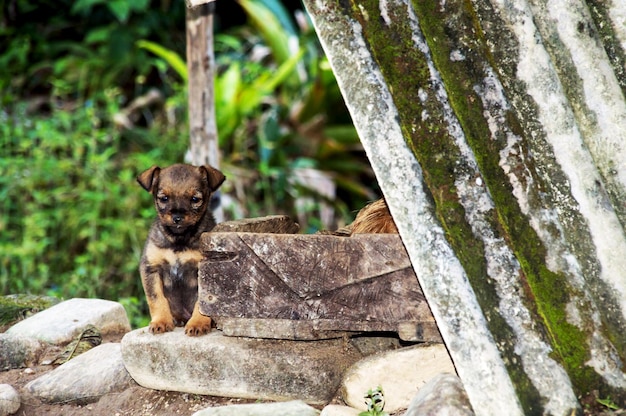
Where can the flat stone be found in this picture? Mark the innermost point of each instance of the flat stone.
(85, 378)
(63, 322)
(400, 373)
(9, 400)
(238, 367)
(337, 410)
(291, 408)
(443, 395)
(18, 351)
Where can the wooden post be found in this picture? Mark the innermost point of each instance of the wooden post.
(204, 147)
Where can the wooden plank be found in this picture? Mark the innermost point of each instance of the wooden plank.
(275, 224)
(311, 286)
(416, 331)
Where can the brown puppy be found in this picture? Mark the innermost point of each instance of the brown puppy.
(169, 263)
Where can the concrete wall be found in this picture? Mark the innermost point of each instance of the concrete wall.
(497, 132)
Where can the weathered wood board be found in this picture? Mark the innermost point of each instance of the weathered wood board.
(276, 224)
(294, 286)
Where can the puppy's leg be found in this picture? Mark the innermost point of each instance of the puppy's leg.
(161, 317)
(198, 324)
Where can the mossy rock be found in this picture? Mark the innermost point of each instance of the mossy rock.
(16, 307)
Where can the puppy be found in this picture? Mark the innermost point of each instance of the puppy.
(169, 263)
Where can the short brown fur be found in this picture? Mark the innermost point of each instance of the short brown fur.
(169, 262)
(374, 218)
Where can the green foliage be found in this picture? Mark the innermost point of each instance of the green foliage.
(72, 49)
(73, 221)
(608, 403)
(169, 56)
(121, 9)
(280, 112)
(375, 401)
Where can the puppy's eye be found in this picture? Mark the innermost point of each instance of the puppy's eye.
(195, 199)
(163, 199)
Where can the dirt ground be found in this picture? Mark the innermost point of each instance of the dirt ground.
(139, 401)
(136, 400)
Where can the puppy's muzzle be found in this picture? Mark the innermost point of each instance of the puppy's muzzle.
(177, 222)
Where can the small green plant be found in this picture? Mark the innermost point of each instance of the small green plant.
(608, 403)
(375, 401)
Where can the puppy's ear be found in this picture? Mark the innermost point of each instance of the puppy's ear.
(149, 178)
(214, 177)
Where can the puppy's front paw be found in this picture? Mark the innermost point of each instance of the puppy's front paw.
(161, 326)
(198, 325)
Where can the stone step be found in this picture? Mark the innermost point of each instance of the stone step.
(238, 367)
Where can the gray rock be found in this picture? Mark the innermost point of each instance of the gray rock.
(17, 351)
(401, 373)
(238, 367)
(9, 400)
(292, 408)
(337, 410)
(443, 395)
(66, 320)
(85, 378)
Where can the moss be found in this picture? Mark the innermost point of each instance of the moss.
(406, 71)
(16, 307)
(548, 290)
(614, 50)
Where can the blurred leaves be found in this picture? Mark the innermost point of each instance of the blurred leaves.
(73, 220)
(121, 9)
(170, 57)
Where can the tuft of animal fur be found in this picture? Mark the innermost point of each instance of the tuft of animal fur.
(374, 218)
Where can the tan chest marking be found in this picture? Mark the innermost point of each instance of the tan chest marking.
(156, 255)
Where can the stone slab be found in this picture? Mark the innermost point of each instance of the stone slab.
(218, 365)
(63, 322)
(400, 373)
(291, 408)
(85, 378)
(442, 395)
(18, 351)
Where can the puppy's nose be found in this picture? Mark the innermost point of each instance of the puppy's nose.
(177, 218)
